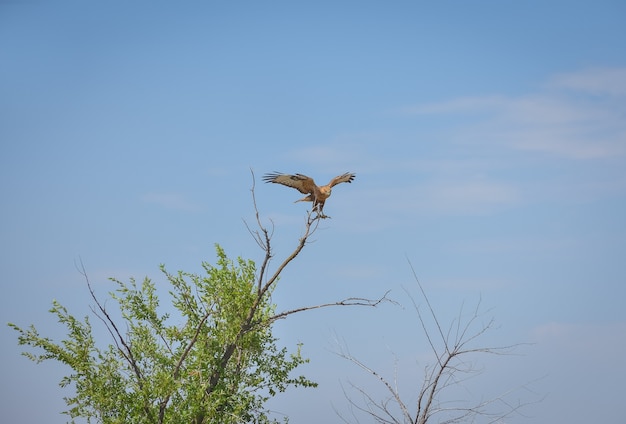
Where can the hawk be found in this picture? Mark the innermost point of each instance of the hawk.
(306, 185)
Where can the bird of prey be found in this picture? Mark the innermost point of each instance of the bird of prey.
(306, 185)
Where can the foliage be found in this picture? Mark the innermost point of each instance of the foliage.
(215, 361)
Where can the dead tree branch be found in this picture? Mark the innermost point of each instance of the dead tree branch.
(265, 282)
(351, 301)
(263, 286)
(451, 348)
(119, 340)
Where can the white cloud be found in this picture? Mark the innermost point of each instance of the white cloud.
(474, 196)
(549, 330)
(580, 115)
(360, 273)
(597, 81)
(585, 339)
(459, 284)
(461, 104)
(574, 128)
(565, 140)
(317, 153)
(405, 205)
(336, 157)
(518, 245)
(175, 201)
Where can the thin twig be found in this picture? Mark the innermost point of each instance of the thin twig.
(455, 344)
(126, 352)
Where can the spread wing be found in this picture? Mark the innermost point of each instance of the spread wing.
(300, 182)
(345, 178)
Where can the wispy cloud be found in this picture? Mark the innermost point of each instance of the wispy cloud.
(577, 115)
(471, 283)
(597, 81)
(518, 245)
(174, 201)
(476, 196)
(458, 105)
(583, 338)
(565, 140)
(335, 157)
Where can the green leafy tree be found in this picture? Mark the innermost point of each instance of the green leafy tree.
(220, 365)
(214, 361)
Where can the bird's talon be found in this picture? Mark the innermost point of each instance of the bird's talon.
(306, 185)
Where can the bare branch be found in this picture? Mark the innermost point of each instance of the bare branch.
(351, 301)
(310, 227)
(110, 325)
(264, 284)
(344, 353)
(451, 369)
(430, 308)
(126, 352)
(179, 364)
(263, 239)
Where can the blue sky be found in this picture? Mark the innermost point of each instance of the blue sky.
(488, 139)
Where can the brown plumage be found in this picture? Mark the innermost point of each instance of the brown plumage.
(306, 185)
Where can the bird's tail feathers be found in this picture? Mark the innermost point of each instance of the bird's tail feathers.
(308, 198)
